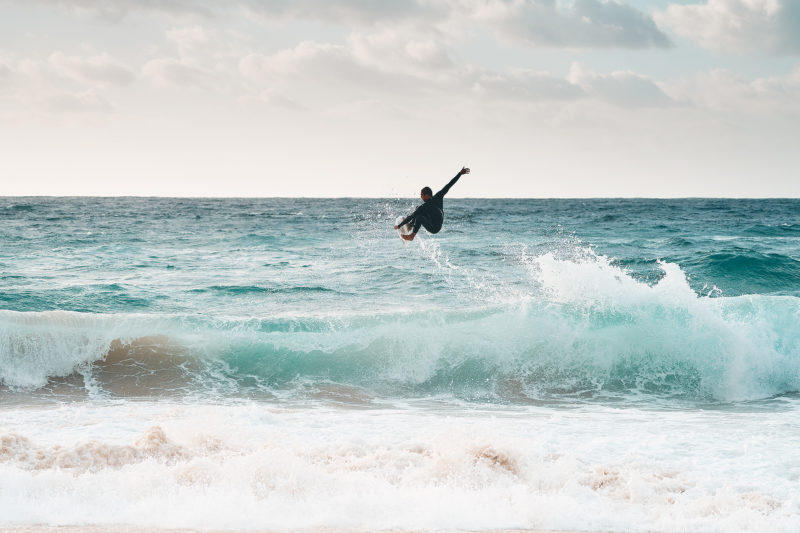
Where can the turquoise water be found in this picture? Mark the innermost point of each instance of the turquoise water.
(291, 363)
(517, 301)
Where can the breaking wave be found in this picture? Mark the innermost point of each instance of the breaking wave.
(583, 327)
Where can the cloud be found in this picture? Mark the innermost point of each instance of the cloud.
(78, 102)
(275, 99)
(333, 11)
(384, 67)
(5, 73)
(580, 24)
(727, 92)
(100, 69)
(115, 10)
(519, 85)
(399, 51)
(171, 72)
(59, 84)
(189, 39)
(583, 24)
(309, 61)
(771, 26)
(391, 60)
(397, 66)
(621, 88)
(346, 11)
(550, 23)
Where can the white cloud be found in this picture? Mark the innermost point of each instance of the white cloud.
(276, 99)
(5, 75)
(384, 67)
(582, 24)
(622, 88)
(59, 84)
(100, 69)
(78, 102)
(737, 25)
(519, 85)
(171, 72)
(117, 9)
(386, 58)
(346, 12)
(311, 62)
(190, 39)
(727, 92)
(394, 50)
(551, 23)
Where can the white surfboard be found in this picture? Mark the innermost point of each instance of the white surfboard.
(402, 230)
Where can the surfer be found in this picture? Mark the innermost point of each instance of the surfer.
(430, 214)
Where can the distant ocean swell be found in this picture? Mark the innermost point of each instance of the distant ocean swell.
(581, 327)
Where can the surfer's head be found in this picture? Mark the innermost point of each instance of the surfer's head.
(426, 193)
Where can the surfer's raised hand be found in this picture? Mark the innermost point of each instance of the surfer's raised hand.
(464, 170)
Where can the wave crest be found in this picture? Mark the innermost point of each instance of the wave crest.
(584, 327)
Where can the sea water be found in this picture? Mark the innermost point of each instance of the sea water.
(615, 365)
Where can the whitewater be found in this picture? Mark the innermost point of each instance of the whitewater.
(274, 364)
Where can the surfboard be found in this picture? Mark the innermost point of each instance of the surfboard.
(402, 230)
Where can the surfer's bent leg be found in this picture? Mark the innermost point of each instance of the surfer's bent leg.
(425, 222)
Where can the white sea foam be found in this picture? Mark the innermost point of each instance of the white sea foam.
(255, 466)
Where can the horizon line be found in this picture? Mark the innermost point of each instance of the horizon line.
(127, 196)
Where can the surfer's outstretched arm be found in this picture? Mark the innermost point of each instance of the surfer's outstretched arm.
(452, 182)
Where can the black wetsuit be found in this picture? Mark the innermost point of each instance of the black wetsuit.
(430, 215)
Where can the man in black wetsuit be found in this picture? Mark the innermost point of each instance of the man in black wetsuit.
(429, 215)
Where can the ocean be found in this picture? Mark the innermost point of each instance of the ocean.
(599, 365)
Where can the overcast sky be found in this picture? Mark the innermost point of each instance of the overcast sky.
(542, 98)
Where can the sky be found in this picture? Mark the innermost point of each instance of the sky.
(369, 98)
